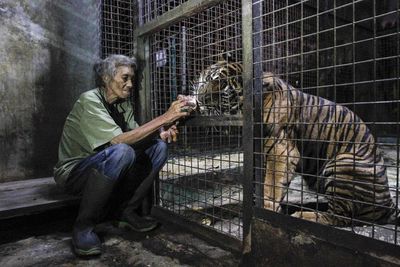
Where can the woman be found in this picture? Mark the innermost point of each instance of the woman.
(107, 158)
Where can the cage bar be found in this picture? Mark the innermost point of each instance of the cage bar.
(202, 179)
(346, 52)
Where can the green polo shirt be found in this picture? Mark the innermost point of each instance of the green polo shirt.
(87, 127)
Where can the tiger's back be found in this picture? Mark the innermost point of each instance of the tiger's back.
(338, 153)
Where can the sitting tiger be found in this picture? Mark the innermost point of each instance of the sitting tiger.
(329, 144)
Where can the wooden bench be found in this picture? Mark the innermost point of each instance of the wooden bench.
(32, 196)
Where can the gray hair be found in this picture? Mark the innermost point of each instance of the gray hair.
(108, 67)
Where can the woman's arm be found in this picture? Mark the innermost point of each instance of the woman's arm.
(174, 113)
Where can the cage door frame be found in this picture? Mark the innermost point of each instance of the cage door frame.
(142, 34)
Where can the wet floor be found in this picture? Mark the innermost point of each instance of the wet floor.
(44, 240)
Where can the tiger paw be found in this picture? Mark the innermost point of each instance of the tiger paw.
(311, 216)
(297, 214)
(271, 205)
(306, 215)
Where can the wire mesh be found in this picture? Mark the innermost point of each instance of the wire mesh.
(201, 180)
(151, 9)
(319, 161)
(118, 23)
(345, 51)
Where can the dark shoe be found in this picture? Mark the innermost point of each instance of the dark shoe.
(134, 222)
(86, 242)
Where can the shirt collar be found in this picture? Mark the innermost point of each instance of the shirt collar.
(115, 103)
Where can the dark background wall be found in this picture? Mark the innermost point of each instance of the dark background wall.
(47, 50)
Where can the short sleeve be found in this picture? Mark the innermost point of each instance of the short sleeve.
(97, 125)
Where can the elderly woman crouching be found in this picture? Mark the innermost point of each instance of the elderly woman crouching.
(107, 158)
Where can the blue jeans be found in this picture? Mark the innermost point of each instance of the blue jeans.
(132, 168)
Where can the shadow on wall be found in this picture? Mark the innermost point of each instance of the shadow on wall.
(49, 50)
(54, 98)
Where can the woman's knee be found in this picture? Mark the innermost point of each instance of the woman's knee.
(162, 149)
(122, 152)
(161, 145)
(160, 153)
(119, 157)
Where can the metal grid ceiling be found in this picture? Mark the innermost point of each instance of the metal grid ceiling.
(151, 9)
(118, 24)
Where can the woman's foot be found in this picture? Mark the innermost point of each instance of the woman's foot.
(133, 221)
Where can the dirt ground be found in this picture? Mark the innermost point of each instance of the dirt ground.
(45, 240)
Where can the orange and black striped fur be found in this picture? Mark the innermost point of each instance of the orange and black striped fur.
(333, 149)
(327, 143)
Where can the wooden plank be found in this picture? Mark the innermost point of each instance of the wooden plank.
(26, 183)
(37, 208)
(177, 14)
(27, 196)
(32, 196)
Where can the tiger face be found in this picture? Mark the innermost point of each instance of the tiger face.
(218, 89)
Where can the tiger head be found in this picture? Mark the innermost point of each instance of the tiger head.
(219, 89)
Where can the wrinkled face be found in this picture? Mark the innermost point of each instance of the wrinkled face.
(120, 86)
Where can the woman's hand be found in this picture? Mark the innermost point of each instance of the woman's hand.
(176, 111)
(170, 134)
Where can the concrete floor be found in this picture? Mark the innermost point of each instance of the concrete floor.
(45, 240)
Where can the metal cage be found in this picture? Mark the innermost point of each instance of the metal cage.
(344, 51)
(201, 180)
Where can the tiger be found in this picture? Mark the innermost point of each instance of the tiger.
(326, 142)
(227, 78)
